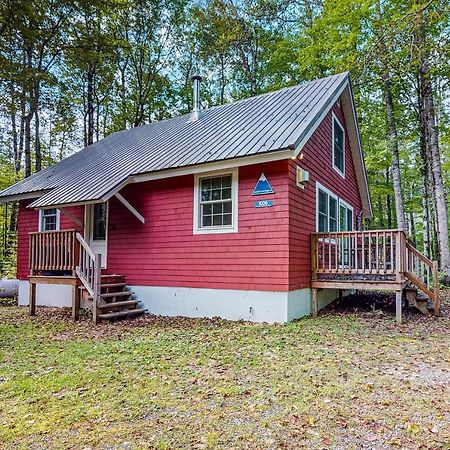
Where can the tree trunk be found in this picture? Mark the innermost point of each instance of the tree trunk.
(37, 139)
(433, 146)
(222, 79)
(392, 130)
(90, 105)
(388, 202)
(425, 172)
(28, 117)
(14, 133)
(380, 214)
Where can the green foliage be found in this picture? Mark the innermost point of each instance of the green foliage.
(107, 65)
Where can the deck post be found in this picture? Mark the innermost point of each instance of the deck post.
(314, 306)
(32, 300)
(75, 302)
(341, 295)
(437, 300)
(97, 287)
(398, 306)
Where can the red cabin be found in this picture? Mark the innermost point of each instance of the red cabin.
(241, 211)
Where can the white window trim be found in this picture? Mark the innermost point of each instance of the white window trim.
(198, 229)
(348, 206)
(322, 188)
(336, 168)
(58, 220)
(89, 229)
(340, 202)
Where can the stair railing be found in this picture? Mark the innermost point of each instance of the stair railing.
(89, 273)
(423, 273)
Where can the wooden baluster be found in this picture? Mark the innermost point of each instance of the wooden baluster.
(329, 254)
(384, 253)
(57, 249)
(349, 253)
(363, 253)
(39, 258)
(398, 256)
(377, 247)
(61, 251)
(65, 250)
(370, 252)
(336, 253)
(313, 257)
(392, 252)
(30, 254)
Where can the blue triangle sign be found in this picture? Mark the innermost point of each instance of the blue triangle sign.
(262, 186)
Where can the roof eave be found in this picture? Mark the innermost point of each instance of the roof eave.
(273, 155)
(22, 196)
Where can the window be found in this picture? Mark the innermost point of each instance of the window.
(345, 216)
(333, 214)
(338, 147)
(215, 203)
(326, 210)
(99, 225)
(48, 219)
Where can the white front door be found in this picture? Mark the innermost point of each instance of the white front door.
(96, 229)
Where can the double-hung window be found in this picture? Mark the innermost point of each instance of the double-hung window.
(215, 203)
(48, 219)
(338, 147)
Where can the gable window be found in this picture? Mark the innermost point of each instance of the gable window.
(338, 147)
(215, 203)
(49, 219)
(327, 210)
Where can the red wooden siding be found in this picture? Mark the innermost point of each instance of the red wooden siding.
(271, 250)
(317, 160)
(165, 252)
(29, 222)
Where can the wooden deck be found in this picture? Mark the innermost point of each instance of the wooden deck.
(64, 257)
(366, 260)
(371, 260)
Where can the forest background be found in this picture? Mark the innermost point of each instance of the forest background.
(72, 72)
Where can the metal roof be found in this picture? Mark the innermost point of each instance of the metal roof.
(258, 125)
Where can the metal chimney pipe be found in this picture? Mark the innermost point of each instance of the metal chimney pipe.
(196, 96)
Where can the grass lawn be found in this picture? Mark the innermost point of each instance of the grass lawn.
(349, 379)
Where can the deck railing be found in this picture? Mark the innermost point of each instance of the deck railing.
(358, 252)
(384, 255)
(55, 251)
(89, 272)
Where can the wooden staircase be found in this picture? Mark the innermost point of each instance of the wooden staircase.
(420, 301)
(105, 295)
(114, 301)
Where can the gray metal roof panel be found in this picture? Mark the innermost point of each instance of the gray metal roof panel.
(265, 123)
